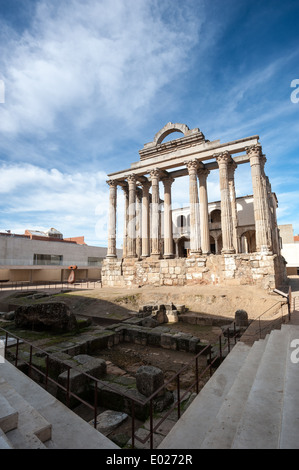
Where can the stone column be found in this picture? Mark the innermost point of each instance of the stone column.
(138, 222)
(126, 219)
(223, 159)
(131, 239)
(145, 244)
(111, 251)
(204, 212)
(259, 199)
(267, 193)
(155, 217)
(168, 237)
(195, 248)
(232, 192)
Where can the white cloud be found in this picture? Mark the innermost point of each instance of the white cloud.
(35, 198)
(86, 59)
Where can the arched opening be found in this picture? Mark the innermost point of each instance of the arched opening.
(183, 247)
(215, 216)
(219, 245)
(169, 129)
(212, 245)
(248, 242)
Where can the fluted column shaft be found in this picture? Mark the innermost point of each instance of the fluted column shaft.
(138, 222)
(223, 159)
(126, 219)
(204, 212)
(195, 248)
(131, 239)
(145, 244)
(168, 237)
(232, 192)
(155, 216)
(263, 243)
(111, 251)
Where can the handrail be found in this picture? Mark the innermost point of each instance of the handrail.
(134, 401)
(26, 285)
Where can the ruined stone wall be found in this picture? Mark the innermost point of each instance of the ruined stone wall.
(265, 271)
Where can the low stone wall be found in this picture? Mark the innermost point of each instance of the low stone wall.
(265, 271)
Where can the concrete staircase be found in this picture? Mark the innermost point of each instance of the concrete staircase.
(31, 418)
(251, 401)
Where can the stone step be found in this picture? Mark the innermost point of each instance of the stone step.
(69, 431)
(259, 426)
(21, 440)
(223, 429)
(290, 411)
(4, 441)
(29, 420)
(8, 415)
(189, 432)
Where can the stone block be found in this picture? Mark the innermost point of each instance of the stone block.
(109, 420)
(149, 379)
(172, 316)
(168, 341)
(241, 318)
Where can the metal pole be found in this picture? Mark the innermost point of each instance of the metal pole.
(179, 397)
(151, 425)
(196, 372)
(95, 403)
(17, 353)
(133, 424)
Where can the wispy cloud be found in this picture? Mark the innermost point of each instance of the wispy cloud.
(93, 60)
(33, 197)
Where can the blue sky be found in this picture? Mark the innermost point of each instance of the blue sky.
(86, 83)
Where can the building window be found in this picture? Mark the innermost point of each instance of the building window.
(55, 260)
(93, 261)
(181, 221)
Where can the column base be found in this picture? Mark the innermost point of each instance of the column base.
(111, 256)
(195, 253)
(265, 250)
(155, 255)
(231, 251)
(168, 256)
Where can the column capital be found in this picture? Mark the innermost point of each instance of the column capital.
(131, 178)
(192, 166)
(203, 173)
(167, 182)
(125, 189)
(145, 186)
(155, 173)
(254, 151)
(112, 183)
(223, 158)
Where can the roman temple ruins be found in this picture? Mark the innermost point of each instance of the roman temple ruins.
(206, 243)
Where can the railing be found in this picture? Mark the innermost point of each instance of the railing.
(207, 351)
(26, 285)
(6, 262)
(280, 316)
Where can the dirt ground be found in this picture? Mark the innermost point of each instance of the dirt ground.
(110, 305)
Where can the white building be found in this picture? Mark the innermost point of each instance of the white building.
(245, 227)
(290, 248)
(46, 256)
